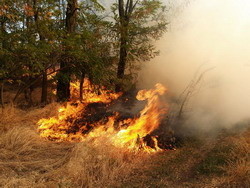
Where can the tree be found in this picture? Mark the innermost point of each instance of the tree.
(138, 24)
(8, 38)
(28, 36)
(63, 84)
(87, 47)
(76, 40)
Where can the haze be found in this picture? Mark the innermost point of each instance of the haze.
(206, 34)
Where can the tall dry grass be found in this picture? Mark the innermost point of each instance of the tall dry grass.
(238, 168)
(26, 160)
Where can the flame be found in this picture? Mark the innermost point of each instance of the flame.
(133, 137)
(92, 93)
(148, 121)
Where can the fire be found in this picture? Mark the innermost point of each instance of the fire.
(149, 120)
(130, 133)
(92, 93)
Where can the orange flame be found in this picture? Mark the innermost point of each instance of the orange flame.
(92, 93)
(148, 121)
(132, 137)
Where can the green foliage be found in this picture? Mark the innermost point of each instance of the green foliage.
(88, 49)
(21, 52)
(33, 39)
(146, 24)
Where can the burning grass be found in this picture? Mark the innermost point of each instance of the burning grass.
(103, 157)
(27, 160)
(77, 121)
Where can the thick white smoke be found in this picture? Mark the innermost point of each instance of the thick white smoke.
(206, 34)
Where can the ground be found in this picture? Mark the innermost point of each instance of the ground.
(203, 160)
(223, 161)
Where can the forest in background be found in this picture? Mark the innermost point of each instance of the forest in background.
(49, 43)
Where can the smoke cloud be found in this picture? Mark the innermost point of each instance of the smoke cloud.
(207, 34)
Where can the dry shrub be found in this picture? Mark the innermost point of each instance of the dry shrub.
(26, 160)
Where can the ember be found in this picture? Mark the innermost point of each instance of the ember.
(89, 119)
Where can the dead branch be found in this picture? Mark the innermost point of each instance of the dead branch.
(191, 88)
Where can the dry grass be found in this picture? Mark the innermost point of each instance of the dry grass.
(26, 160)
(15, 117)
(238, 169)
(208, 162)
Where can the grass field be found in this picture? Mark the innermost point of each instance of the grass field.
(26, 160)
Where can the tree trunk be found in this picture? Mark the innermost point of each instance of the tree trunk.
(30, 91)
(122, 62)
(81, 86)
(42, 38)
(124, 14)
(44, 88)
(71, 15)
(1, 94)
(3, 46)
(3, 32)
(63, 84)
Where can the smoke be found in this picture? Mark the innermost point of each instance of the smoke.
(207, 34)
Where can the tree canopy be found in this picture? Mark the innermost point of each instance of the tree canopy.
(74, 39)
